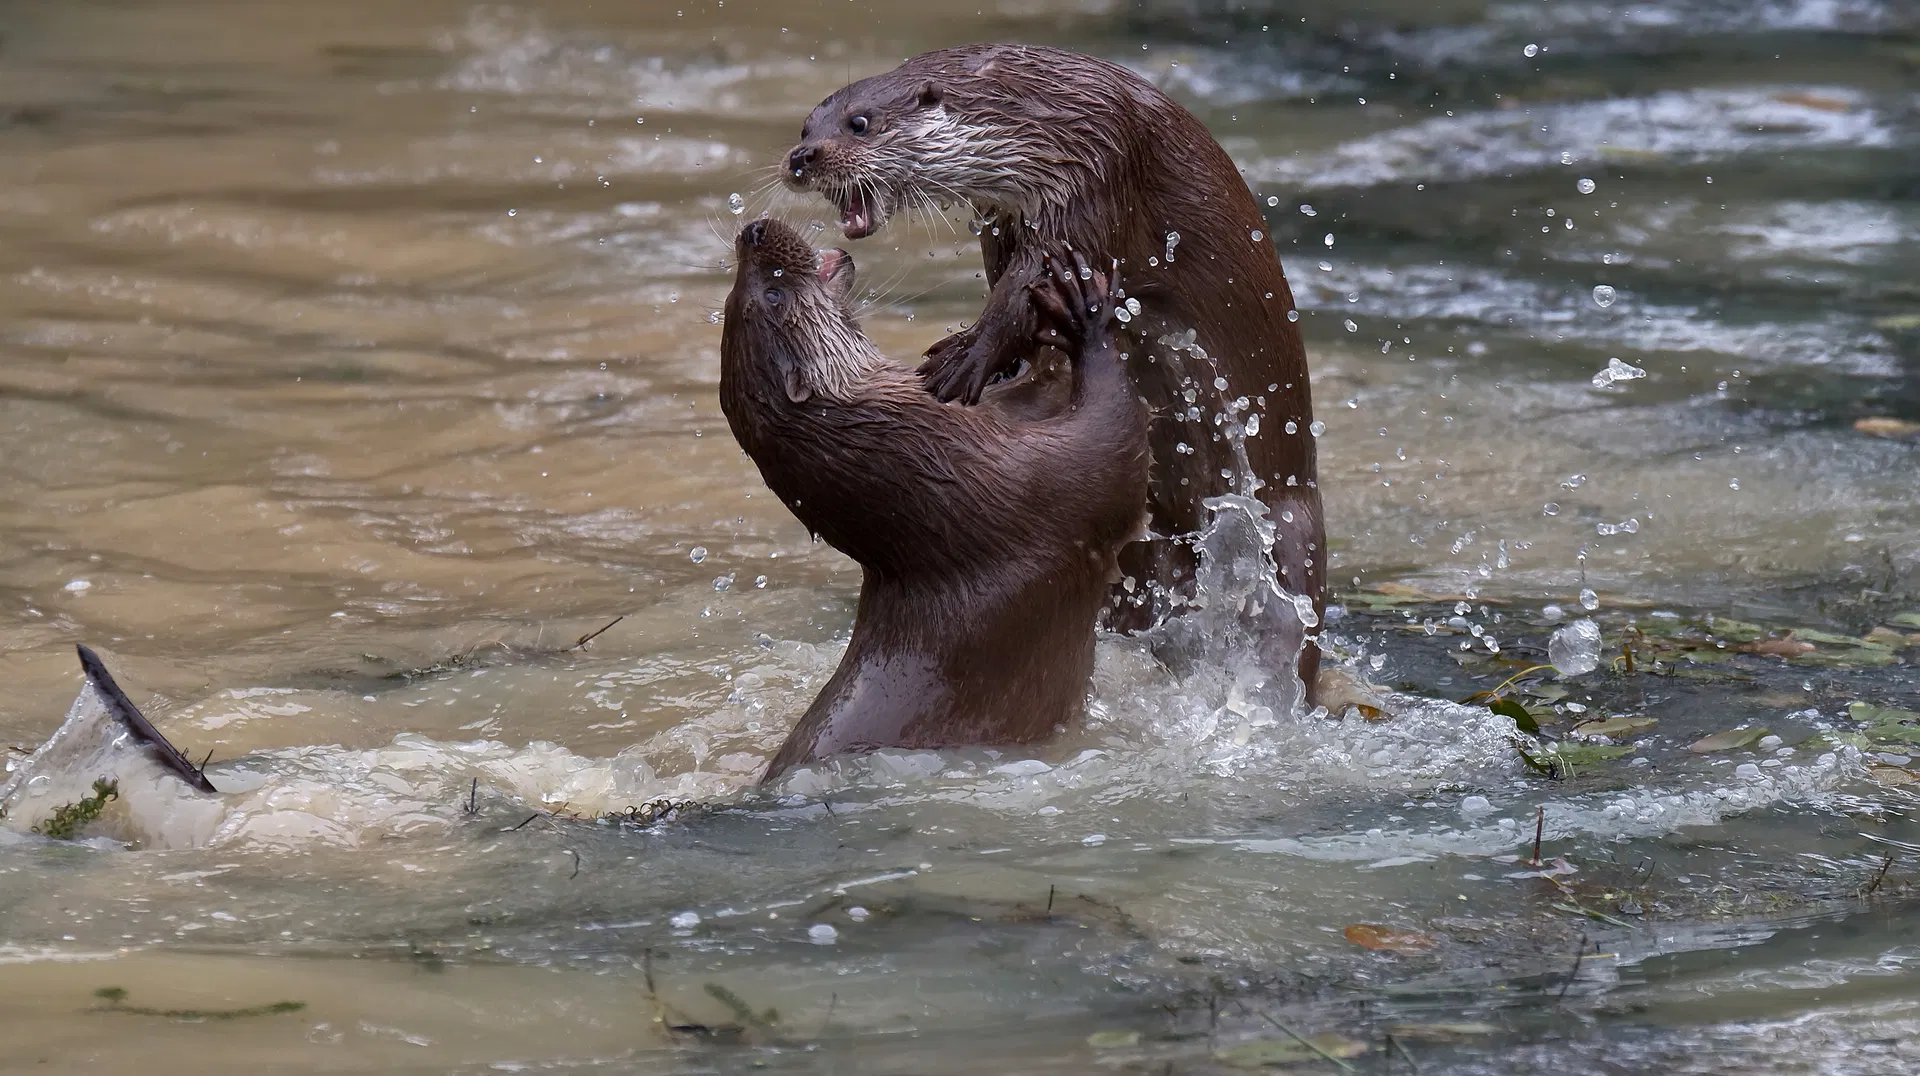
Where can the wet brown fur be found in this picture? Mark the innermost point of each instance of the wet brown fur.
(986, 540)
(1049, 145)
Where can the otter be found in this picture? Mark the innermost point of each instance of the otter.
(1051, 146)
(986, 538)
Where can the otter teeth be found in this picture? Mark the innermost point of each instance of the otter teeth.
(856, 214)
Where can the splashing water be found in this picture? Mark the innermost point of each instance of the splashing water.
(1615, 373)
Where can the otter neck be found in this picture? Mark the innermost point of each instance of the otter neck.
(843, 359)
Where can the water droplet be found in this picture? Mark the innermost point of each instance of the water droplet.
(1584, 186)
(513, 212)
(1616, 371)
(1307, 210)
(1351, 327)
(1286, 515)
(760, 582)
(1326, 267)
(685, 921)
(1328, 240)
(697, 553)
(1257, 235)
(1133, 307)
(724, 582)
(78, 586)
(1173, 240)
(1603, 295)
(1574, 482)
(736, 204)
(976, 226)
(1316, 427)
(1122, 315)
(1735, 484)
(1293, 315)
(1575, 649)
(1531, 50)
(1086, 272)
(779, 272)
(822, 934)
(1292, 426)
(1273, 199)
(1253, 425)
(1220, 383)
(1589, 600)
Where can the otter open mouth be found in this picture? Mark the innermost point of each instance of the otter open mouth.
(856, 213)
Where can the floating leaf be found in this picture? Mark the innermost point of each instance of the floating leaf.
(1519, 714)
(1542, 763)
(1887, 724)
(1580, 755)
(1546, 692)
(1906, 620)
(1371, 936)
(1825, 741)
(1896, 322)
(1615, 727)
(1813, 101)
(1262, 1052)
(1113, 1040)
(1868, 654)
(1780, 648)
(1731, 740)
(1442, 1032)
(1827, 638)
(1893, 776)
(1372, 713)
(1735, 631)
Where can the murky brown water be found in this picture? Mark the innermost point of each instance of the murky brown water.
(340, 340)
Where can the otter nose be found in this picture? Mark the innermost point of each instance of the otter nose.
(801, 159)
(754, 234)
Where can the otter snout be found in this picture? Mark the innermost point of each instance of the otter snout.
(798, 161)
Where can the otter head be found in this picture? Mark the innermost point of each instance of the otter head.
(928, 131)
(791, 312)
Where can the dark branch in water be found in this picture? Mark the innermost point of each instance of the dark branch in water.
(473, 798)
(1539, 827)
(129, 715)
(592, 635)
(1885, 865)
(1578, 956)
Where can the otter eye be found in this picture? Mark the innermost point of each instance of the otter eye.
(857, 124)
(775, 296)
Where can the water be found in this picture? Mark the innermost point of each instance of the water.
(358, 361)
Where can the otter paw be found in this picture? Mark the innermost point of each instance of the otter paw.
(1072, 301)
(956, 368)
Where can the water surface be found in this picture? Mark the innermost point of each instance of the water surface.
(357, 359)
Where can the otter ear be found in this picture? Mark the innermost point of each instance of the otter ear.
(930, 95)
(797, 390)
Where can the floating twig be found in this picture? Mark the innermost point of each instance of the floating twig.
(592, 635)
(1050, 898)
(1394, 1043)
(1311, 1045)
(1539, 828)
(473, 798)
(1885, 865)
(576, 864)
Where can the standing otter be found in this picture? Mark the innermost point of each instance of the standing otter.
(986, 541)
(1051, 146)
